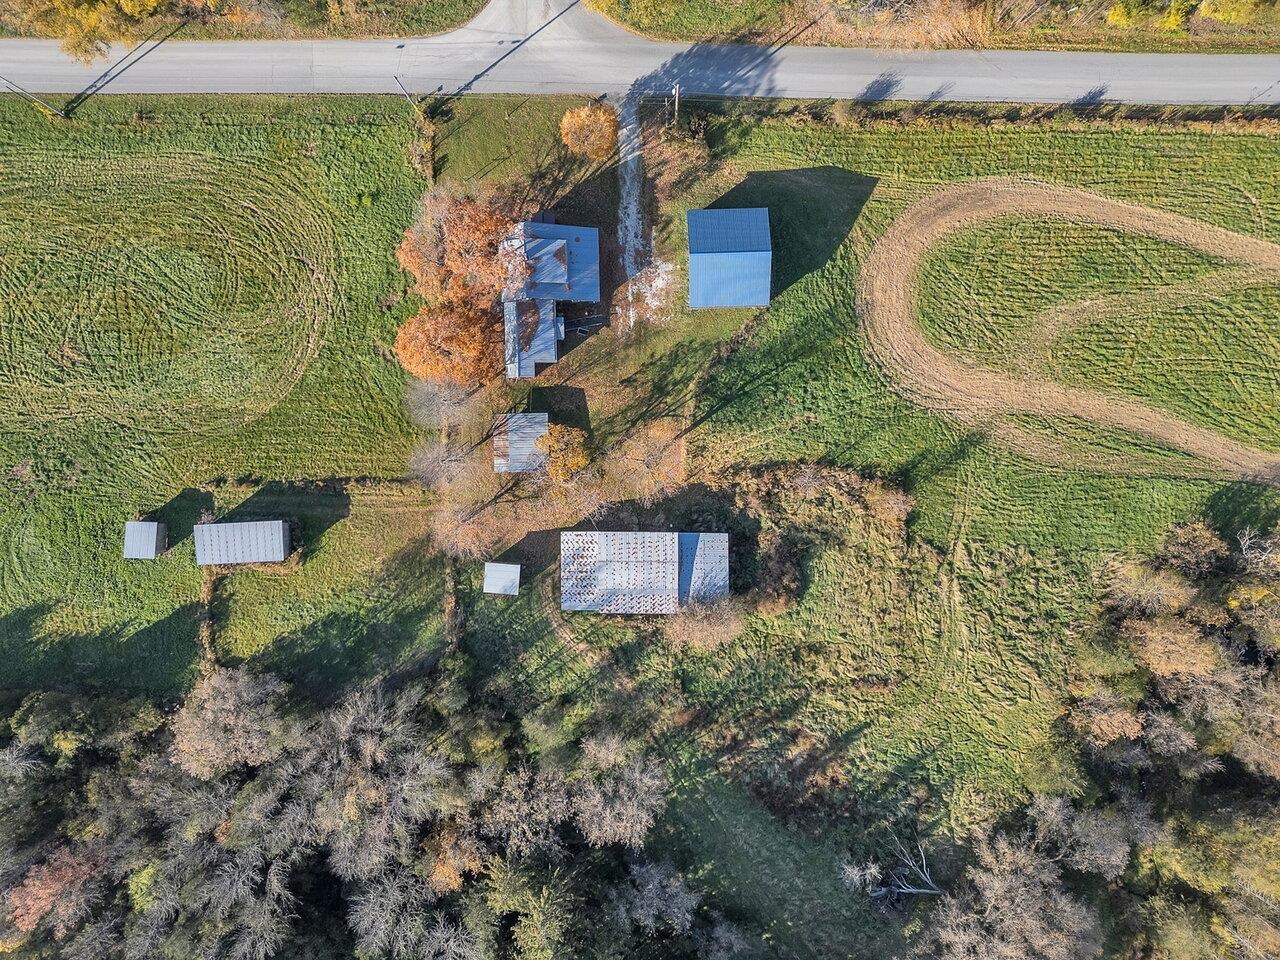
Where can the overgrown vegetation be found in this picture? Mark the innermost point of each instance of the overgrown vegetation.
(1203, 25)
(406, 824)
(87, 28)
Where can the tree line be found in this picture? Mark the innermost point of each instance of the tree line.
(246, 825)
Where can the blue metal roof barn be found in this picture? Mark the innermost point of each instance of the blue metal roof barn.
(730, 258)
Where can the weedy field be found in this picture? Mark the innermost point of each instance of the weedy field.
(196, 301)
(1137, 25)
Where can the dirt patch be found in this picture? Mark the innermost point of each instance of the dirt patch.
(972, 393)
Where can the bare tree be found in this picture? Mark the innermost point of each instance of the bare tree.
(1014, 907)
(909, 874)
(528, 809)
(1258, 554)
(656, 897)
(620, 805)
(230, 719)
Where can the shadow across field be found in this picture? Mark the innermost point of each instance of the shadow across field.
(811, 211)
(315, 506)
(182, 513)
(156, 658)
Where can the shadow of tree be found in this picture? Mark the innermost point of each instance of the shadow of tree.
(400, 631)
(158, 658)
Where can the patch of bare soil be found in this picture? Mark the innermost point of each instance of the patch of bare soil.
(972, 393)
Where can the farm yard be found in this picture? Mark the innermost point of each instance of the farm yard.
(198, 300)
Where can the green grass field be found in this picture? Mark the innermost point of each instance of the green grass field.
(804, 388)
(196, 300)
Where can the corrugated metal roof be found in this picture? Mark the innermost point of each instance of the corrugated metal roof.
(632, 572)
(730, 258)
(619, 572)
(741, 230)
(564, 262)
(704, 567)
(255, 541)
(515, 442)
(518, 316)
(144, 539)
(502, 579)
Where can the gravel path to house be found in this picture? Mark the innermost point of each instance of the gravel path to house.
(631, 232)
(972, 393)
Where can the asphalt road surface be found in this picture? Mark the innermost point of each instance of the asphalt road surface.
(559, 46)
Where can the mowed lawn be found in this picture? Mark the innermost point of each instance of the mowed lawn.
(197, 301)
(804, 388)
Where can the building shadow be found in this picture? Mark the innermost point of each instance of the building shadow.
(536, 552)
(182, 513)
(565, 405)
(311, 509)
(811, 212)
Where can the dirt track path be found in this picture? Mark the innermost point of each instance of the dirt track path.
(887, 297)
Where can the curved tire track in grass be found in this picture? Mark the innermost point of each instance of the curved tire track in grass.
(886, 296)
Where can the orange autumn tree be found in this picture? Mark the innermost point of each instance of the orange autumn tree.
(566, 450)
(456, 343)
(460, 263)
(591, 131)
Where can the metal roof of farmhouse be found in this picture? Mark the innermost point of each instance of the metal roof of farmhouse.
(638, 572)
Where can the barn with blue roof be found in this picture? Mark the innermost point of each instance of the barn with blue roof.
(730, 258)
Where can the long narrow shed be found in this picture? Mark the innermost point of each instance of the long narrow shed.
(254, 541)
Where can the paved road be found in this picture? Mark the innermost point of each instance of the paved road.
(554, 46)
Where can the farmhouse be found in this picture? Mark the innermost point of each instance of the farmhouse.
(630, 572)
(257, 541)
(730, 258)
(515, 442)
(144, 539)
(553, 263)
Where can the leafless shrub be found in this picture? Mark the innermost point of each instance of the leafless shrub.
(231, 718)
(621, 805)
(1103, 719)
(705, 626)
(1194, 549)
(1138, 591)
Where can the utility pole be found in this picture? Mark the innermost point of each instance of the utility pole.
(675, 121)
(412, 103)
(32, 98)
